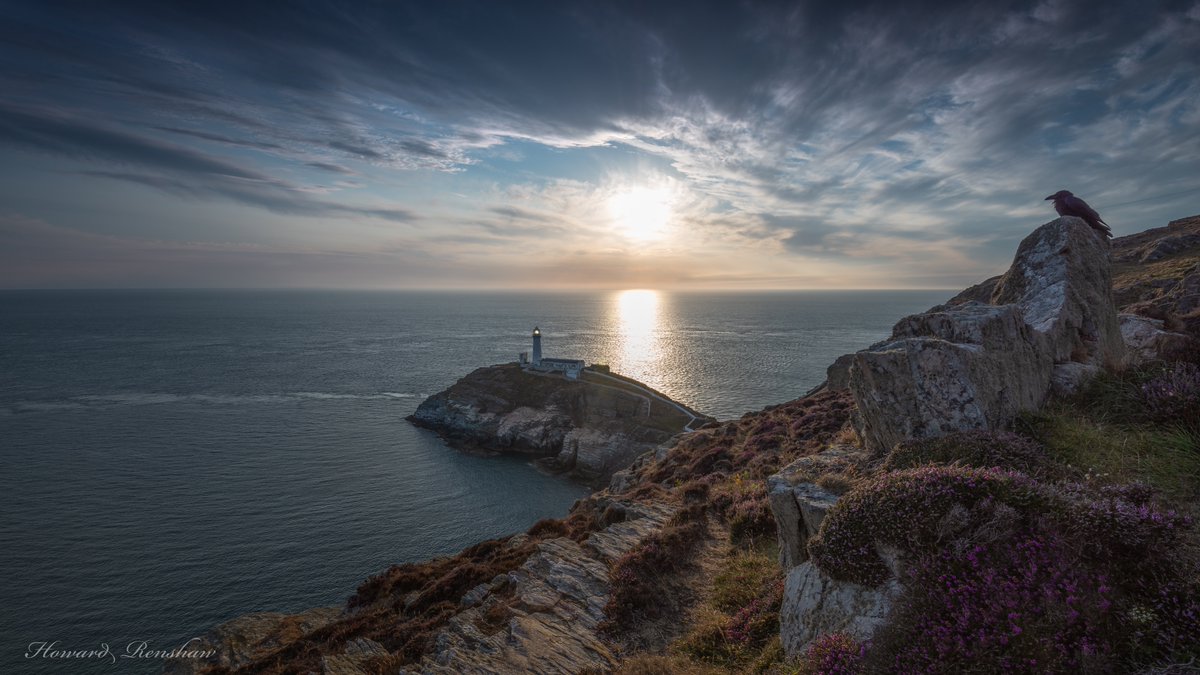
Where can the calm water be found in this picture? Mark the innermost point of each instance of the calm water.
(169, 460)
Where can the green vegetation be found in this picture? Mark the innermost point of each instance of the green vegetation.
(972, 448)
(737, 626)
(1110, 434)
(734, 625)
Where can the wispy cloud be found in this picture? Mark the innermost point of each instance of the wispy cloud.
(874, 140)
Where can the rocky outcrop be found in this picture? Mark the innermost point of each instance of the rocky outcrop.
(591, 427)
(815, 604)
(545, 616)
(1157, 275)
(240, 640)
(974, 365)
(1148, 340)
(1155, 244)
(799, 504)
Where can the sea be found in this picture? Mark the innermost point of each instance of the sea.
(173, 459)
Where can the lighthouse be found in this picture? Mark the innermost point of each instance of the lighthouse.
(571, 368)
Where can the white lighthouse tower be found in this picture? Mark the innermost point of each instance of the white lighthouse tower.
(537, 346)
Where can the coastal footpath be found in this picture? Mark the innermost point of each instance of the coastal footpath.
(1005, 484)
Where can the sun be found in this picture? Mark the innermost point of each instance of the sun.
(641, 213)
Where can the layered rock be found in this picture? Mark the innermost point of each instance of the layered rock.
(974, 365)
(591, 427)
(235, 643)
(545, 616)
(813, 602)
(799, 504)
(1157, 274)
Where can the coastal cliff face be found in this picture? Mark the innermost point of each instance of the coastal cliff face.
(591, 427)
(818, 536)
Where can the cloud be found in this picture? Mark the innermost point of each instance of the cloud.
(177, 170)
(896, 134)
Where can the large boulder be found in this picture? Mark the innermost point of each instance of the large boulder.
(975, 365)
(1061, 278)
(815, 604)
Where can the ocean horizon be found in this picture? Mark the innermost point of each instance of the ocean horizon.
(176, 458)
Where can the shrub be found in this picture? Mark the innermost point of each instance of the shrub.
(756, 445)
(908, 509)
(638, 577)
(743, 503)
(1008, 574)
(1173, 397)
(972, 448)
(758, 621)
(833, 654)
(1023, 606)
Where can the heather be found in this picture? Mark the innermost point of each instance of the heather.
(1005, 573)
(909, 510)
(1023, 605)
(833, 654)
(1173, 396)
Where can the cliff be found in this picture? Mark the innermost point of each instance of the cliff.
(590, 427)
(1003, 485)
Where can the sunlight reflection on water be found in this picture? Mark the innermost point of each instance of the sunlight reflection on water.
(642, 346)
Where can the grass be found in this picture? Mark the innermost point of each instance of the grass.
(1106, 433)
(1166, 458)
(736, 628)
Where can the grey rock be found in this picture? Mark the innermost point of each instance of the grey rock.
(1069, 378)
(355, 658)
(1147, 340)
(241, 640)
(475, 595)
(980, 367)
(1061, 278)
(555, 602)
(799, 505)
(969, 365)
(815, 604)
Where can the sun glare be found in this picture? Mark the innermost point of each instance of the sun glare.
(637, 326)
(641, 213)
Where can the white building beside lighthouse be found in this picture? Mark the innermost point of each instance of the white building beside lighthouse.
(571, 368)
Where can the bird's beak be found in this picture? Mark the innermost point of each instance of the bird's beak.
(1048, 198)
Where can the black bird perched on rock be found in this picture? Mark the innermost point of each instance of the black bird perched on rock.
(1068, 204)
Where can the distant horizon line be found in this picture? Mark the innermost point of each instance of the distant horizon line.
(515, 289)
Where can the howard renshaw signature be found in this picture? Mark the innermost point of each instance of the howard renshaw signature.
(138, 649)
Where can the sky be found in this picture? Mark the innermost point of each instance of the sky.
(578, 145)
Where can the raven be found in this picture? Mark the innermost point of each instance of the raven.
(1068, 204)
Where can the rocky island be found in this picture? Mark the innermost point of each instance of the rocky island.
(589, 426)
(1005, 484)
